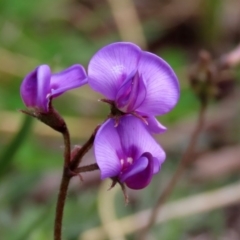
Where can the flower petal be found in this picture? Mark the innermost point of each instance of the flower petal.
(133, 132)
(140, 173)
(72, 77)
(154, 126)
(161, 82)
(107, 145)
(35, 87)
(156, 166)
(138, 166)
(111, 65)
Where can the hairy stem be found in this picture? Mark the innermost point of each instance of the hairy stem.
(185, 160)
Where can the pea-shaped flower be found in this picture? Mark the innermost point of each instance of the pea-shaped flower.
(127, 152)
(40, 85)
(136, 81)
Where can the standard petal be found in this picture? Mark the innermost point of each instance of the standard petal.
(107, 146)
(135, 137)
(161, 82)
(140, 173)
(72, 77)
(35, 87)
(111, 65)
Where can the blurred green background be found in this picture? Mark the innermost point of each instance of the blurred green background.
(64, 32)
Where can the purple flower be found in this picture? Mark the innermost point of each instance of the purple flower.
(127, 152)
(138, 82)
(40, 85)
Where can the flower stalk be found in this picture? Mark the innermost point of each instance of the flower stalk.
(60, 204)
(70, 169)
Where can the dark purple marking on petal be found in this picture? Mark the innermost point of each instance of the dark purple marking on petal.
(139, 174)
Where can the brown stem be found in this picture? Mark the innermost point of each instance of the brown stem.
(87, 168)
(185, 160)
(70, 167)
(60, 204)
(75, 161)
(67, 149)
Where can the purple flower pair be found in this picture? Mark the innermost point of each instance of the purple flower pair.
(139, 86)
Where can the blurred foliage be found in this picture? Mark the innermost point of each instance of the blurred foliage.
(61, 33)
(14, 145)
